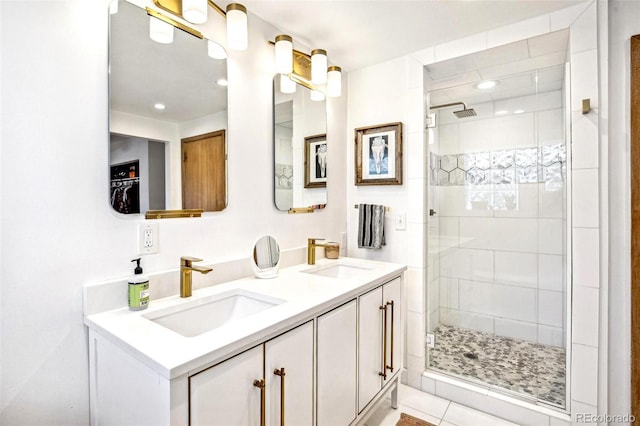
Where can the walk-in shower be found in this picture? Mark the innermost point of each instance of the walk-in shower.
(497, 289)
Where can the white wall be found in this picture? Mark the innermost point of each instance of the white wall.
(58, 231)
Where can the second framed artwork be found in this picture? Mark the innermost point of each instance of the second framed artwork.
(378, 155)
(315, 161)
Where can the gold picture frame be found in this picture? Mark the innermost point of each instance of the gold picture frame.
(378, 155)
(315, 161)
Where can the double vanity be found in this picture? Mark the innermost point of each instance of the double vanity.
(316, 345)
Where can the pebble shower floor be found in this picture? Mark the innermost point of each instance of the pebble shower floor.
(531, 369)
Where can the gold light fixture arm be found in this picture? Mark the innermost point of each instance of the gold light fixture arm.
(173, 22)
(175, 7)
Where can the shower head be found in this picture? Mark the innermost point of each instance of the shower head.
(466, 112)
(463, 113)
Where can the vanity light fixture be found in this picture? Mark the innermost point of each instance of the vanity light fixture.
(318, 66)
(160, 31)
(284, 54)
(334, 81)
(215, 51)
(195, 11)
(486, 84)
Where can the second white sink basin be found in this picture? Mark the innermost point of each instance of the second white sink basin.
(339, 270)
(198, 316)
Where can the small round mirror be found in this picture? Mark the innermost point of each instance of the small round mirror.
(266, 257)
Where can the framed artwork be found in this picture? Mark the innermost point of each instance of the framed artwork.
(315, 161)
(378, 155)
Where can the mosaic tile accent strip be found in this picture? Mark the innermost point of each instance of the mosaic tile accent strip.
(284, 176)
(544, 164)
(531, 369)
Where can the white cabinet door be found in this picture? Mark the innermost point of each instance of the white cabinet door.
(293, 353)
(379, 328)
(224, 395)
(370, 337)
(336, 366)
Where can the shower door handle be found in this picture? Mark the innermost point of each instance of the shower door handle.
(432, 212)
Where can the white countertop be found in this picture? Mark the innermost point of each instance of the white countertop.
(306, 295)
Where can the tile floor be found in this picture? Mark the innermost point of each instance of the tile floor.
(530, 369)
(431, 408)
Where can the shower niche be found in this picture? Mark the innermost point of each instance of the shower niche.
(497, 287)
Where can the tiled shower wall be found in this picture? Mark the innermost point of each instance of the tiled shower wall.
(498, 238)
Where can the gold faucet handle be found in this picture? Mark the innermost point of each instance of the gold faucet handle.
(186, 260)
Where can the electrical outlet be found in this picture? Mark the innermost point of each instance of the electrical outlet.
(148, 238)
(431, 340)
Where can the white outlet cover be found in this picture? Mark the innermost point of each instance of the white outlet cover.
(148, 238)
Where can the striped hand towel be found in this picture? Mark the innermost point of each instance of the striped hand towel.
(370, 226)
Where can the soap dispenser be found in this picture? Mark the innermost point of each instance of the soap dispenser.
(138, 289)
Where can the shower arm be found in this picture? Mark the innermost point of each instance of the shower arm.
(448, 105)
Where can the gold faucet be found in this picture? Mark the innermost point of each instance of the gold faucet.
(311, 250)
(185, 273)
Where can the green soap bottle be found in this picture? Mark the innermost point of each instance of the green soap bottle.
(138, 289)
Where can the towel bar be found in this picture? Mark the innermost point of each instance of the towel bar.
(386, 209)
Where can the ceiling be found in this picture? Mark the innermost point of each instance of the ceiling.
(359, 33)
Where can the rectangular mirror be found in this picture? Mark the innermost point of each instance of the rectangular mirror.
(167, 118)
(300, 146)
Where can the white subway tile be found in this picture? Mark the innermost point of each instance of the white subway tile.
(448, 292)
(584, 79)
(551, 309)
(550, 125)
(461, 47)
(585, 198)
(552, 201)
(584, 144)
(551, 236)
(585, 315)
(584, 31)
(468, 320)
(527, 202)
(415, 289)
(519, 269)
(586, 256)
(415, 334)
(584, 378)
(519, 31)
(516, 329)
(551, 272)
(552, 336)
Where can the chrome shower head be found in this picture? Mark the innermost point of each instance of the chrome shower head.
(463, 113)
(466, 112)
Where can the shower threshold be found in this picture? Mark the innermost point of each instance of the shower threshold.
(532, 371)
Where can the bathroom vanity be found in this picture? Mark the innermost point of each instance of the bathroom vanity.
(317, 345)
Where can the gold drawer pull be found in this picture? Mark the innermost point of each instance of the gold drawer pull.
(383, 373)
(260, 384)
(390, 303)
(281, 373)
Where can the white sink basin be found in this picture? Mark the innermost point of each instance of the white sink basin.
(339, 270)
(198, 316)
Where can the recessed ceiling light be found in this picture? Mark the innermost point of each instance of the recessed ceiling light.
(223, 82)
(159, 106)
(486, 84)
(518, 111)
(502, 112)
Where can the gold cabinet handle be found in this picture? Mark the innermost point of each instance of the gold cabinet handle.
(390, 303)
(260, 384)
(281, 373)
(383, 373)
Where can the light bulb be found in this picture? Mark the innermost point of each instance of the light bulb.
(284, 54)
(195, 11)
(237, 34)
(334, 81)
(160, 31)
(318, 66)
